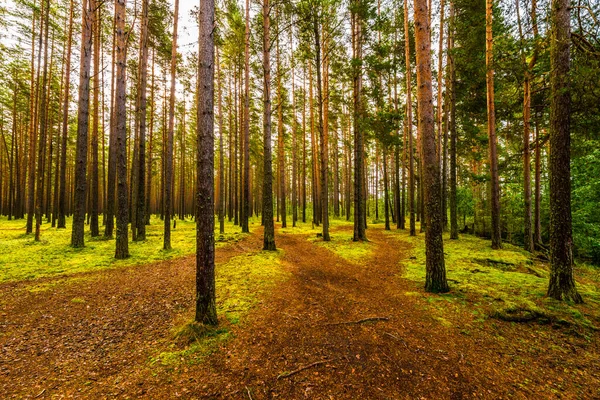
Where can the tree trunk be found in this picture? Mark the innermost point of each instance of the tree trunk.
(493, 141)
(169, 148)
(452, 128)
(111, 180)
(269, 230)
(140, 214)
(408, 127)
(435, 280)
(122, 244)
(562, 282)
(322, 131)
(359, 205)
(82, 126)
(94, 206)
(246, 210)
(221, 153)
(206, 310)
(280, 142)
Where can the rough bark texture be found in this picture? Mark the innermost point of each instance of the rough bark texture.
(562, 282)
(122, 244)
(269, 229)
(408, 127)
(62, 195)
(453, 132)
(322, 132)
(359, 204)
(82, 127)
(95, 180)
(140, 214)
(206, 310)
(435, 278)
(493, 141)
(246, 210)
(169, 145)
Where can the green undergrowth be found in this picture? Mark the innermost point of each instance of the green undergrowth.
(22, 258)
(507, 284)
(241, 284)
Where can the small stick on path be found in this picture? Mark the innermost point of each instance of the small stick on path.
(294, 372)
(360, 321)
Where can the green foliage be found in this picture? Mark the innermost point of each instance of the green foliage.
(21, 258)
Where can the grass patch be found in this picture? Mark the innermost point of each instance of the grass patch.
(507, 284)
(342, 245)
(240, 285)
(22, 258)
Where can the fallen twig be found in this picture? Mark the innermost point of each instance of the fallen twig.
(249, 395)
(360, 321)
(40, 393)
(294, 372)
(397, 338)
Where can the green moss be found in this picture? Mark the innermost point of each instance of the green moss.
(342, 245)
(22, 258)
(77, 300)
(506, 283)
(240, 284)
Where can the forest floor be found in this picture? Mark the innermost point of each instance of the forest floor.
(312, 320)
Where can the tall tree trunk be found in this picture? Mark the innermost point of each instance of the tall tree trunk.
(359, 151)
(435, 278)
(150, 146)
(221, 153)
(452, 128)
(537, 223)
(269, 230)
(562, 282)
(169, 148)
(246, 210)
(304, 145)
(82, 126)
(111, 180)
(493, 141)
(94, 206)
(206, 310)
(33, 107)
(322, 130)
(441, 132)
(408, 126)
(280, 141)
(140, 220)
(122, 243)
(43, 127)
(62, 197)
(294, 140)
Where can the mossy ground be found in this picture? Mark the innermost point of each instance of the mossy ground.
(22, 258)
(241, 283)
(506, 284)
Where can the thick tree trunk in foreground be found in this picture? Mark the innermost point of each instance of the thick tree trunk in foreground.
(269, 229)
(206, 310)
(122, 244)
(82, 127)
(493, 141)
(435, 280)
(562, 282)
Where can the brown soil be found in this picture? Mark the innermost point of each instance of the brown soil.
(306, 339)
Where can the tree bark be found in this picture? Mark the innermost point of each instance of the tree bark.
(435, 279)
(246, 210)
(322, 130)
(82, 127)
(562, 282)
(452, 128)
(169, 148)
(491, 126)
(269, 229)
(122, 243)
(408, 127)
(206, 310)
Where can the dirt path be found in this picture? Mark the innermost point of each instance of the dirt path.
(100, 348)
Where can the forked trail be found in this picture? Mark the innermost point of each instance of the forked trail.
(334, 329)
